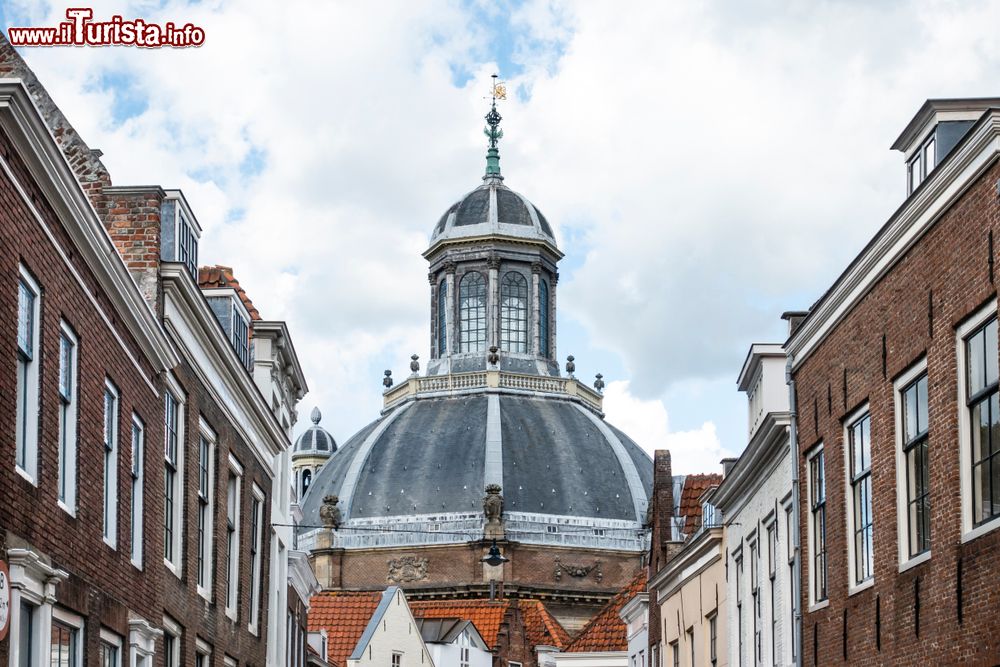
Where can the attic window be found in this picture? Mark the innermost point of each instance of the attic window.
(921, 164)
(241, 338)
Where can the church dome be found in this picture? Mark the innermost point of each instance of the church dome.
(493, 209)
(566, 476)
(315, 439)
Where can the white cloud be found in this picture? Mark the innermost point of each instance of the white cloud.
(646, 421)
(718, 162)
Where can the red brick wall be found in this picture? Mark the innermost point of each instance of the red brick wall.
(103, 584)
(951, 261)
(182, 601)
(132, 218)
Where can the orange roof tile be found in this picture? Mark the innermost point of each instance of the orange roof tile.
(484, 614)
(222, 276)
(345, 616)
(690, 507)
(607, 631)
(541, 626)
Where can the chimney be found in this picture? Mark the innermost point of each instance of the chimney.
(727, 465)
(661, 512)
(132, 217)
(795, 319)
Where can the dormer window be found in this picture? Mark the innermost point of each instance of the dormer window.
(241, 337)
(179, 233)
(921, 164)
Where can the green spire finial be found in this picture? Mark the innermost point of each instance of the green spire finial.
(493, 131)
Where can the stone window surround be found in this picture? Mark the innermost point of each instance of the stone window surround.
(34, 581)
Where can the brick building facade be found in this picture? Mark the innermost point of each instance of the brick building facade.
(891, 368)
(121, 344)
(81, 417)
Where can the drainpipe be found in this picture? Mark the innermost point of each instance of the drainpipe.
(793, 447)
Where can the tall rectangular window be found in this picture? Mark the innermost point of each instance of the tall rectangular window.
(713, 639)
(738, 576)
(110, 652)
(233, 538)
(755, 595)
(913, 401)
(689, 635)
(187, 245)
(65, 648)
(28, 351)
(859, 457)
(256, 535)
(173, 452)
(772, 572)
(67, 417)
(817, 526)
(983, 403)
(171, 649)
(675, 652)
(110, 464)
(241, 338)
(138, 456)
(792, 597)
(206, 459)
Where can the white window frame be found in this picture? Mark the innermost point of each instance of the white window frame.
(814, 603)
(27, 399)
(853, 585)
(205, 546)
(969, 530)
(257, 496)
(902, 514)
(233, 547)
(113, 639)
(229, 661)
(138, 477)
(111, 465)
(176, 564)
(203, 649)
(68, 412)
(789, 569)
(75, 622)
(34, 582)
(173, 628)
(142, 638)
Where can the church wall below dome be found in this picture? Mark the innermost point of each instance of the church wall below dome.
(572, 582)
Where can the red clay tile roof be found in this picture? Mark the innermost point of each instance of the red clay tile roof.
(607, 631)
(484, 614)
(345, 616)
(542, 627)
(690, 507)
(222, 276)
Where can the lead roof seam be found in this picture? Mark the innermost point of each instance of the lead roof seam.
(361, 458)
(624, 460)
(493, 473)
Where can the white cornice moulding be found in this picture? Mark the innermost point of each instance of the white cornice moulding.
(41, 154)
(914, 218)
(193, 325)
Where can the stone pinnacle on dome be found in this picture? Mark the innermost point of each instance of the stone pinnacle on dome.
(316, 415)
(493, 131)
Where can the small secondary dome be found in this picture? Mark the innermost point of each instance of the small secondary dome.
(316, 438)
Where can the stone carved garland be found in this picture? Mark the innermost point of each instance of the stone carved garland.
(578, 571)
(405, 569)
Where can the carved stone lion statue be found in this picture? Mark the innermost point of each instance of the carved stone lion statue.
(330, 513)
(493, 503)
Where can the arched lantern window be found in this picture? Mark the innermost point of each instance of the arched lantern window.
(472, 312)
(442, 327)
(543, 318)
(514, 312)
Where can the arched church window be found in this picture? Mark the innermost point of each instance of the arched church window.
(307, 477)
(514, 312)
(472, 312)
(543, 318)
(442, 318)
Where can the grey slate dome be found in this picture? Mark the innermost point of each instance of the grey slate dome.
(493, 209)
(556, 461)
(315, 439)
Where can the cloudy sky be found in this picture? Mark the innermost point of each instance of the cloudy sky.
(707, 166)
